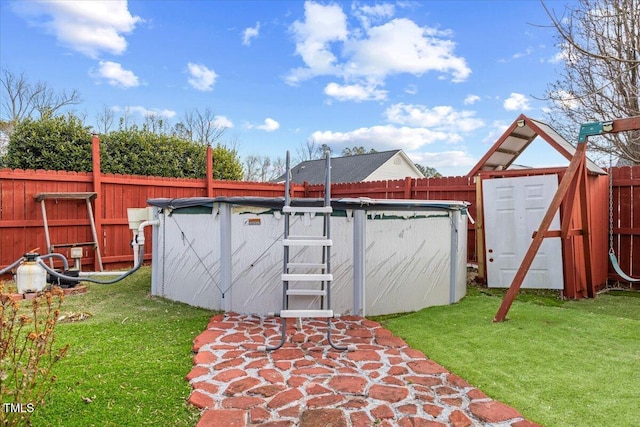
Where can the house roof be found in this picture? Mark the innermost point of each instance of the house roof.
(517, 138)
(343, 169)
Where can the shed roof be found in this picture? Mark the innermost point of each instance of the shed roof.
(517, 138)
(343, 169)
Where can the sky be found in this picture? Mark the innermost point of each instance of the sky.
(441, 80)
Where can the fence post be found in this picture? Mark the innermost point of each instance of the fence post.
(209, 178)
(407, 187)
(97, 188)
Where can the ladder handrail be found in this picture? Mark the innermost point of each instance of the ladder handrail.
(327, 178)
(325, 277)
(326, 254)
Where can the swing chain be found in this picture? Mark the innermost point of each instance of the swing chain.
(610, 202)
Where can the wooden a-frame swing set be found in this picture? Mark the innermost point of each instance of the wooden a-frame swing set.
(574, 182)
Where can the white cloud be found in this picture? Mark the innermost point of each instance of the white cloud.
(442, 118)
(145, 112)
(566, 100)
(565, 54)
(250, 33)
(368, 54)
(202, 78)
(269, 125)
(401, 46)
(322, 25)
(471, 99)
(222, 122)
(384, 137)
(354, 92)
(496, 129)
(86, 27)
(444, 159)
(558, 57)
(115, 75)
(528, 51)
(516, 101)
(373, 13)
(411, 89)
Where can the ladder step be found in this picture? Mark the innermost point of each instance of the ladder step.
(306, 313)
(307, 241)
(307, 209)
(313, 277)
(306, 265)
(307, 292)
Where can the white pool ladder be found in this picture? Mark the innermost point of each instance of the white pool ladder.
(292, 271)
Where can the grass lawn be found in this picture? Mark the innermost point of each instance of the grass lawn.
(127, 362)
(573, 363)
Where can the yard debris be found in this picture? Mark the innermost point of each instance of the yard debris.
(72, 317)
(88, 400)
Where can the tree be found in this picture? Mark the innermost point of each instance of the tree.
(278, 167)
(201, 127)
(251, 168)
(427, 171)
(355, 151)
(125, 120)
(154, 123)
(263, 168)
(181, 131)
(104, 120)
(21, 99)
(311, 150)
(600, 42)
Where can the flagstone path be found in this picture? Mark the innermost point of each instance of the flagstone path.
(306, 383)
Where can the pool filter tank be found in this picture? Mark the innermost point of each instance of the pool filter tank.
(30, 276)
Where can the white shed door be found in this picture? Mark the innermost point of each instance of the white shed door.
(513, 210)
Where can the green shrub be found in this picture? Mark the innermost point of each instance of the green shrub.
(140, 152)
(51, 143)
(64, 143)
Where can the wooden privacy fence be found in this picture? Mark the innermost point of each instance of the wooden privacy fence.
(446, 188)
(626, 220)
(22, 228)
(22, 225)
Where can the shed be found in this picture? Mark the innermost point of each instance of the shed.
(511, 204)
(388, 256)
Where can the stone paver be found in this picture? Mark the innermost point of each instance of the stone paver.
(307, 383)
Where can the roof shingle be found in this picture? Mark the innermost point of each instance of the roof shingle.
(343, 169)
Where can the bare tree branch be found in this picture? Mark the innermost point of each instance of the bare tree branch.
(202, 127)
(251, 168)
(104, 120)
(600, 47)
(21, 98)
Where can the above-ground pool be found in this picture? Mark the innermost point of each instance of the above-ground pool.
(388, 256)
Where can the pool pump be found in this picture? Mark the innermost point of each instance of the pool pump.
(30, 275)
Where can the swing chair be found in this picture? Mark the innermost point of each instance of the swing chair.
(612, 255)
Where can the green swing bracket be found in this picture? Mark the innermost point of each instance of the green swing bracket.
(594, 128)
